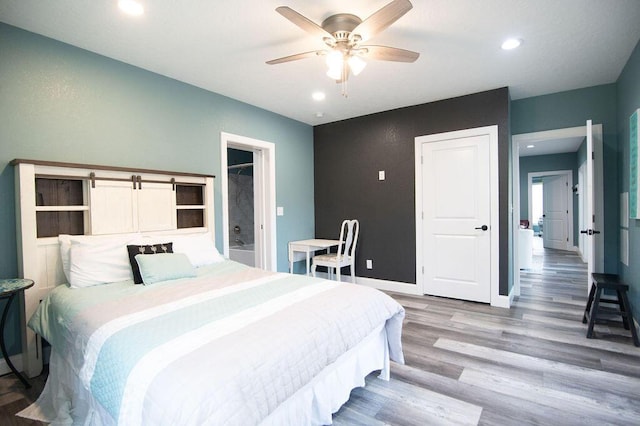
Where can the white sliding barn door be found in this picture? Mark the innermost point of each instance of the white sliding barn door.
(456, 231)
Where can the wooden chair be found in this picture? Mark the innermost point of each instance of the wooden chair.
(346, 254)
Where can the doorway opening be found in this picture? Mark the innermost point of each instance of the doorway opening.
(547, 143)
(241, 232)
(537, 207)
(551, 208)
(248, 200)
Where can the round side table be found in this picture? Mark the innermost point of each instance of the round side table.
(9, 288)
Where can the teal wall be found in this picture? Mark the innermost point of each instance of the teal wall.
(61, 103)
(629, 101)
(545, 163)
(572, 109)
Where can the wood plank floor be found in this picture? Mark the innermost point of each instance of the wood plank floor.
(469, 363)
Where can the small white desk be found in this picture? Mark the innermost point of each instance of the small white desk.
(300, 250)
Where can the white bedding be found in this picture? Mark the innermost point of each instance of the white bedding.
(235, 345)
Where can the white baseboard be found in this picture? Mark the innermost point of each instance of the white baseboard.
(396, 286)
(412, 289)
(386, 285)
(16, 360)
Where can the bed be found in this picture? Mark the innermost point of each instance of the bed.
(203, 339)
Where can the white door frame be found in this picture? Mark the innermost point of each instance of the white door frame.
(265, 204)
(515, 159)
(492, 132)
(569, 194)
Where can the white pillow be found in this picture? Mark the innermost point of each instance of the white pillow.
(65, 242)
(95, 260)
(199, 248)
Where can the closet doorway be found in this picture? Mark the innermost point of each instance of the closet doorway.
(248, 200)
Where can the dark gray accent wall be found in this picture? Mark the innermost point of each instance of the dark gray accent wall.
(348, 155)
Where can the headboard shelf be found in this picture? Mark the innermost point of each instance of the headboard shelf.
(103, 167)
(55, 198)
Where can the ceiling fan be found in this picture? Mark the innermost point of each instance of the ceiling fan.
(343, 33)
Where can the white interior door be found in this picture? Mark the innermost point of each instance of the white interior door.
(457, 218)
(258, 210)
(556, 212)
(582, 215)
(594, 203)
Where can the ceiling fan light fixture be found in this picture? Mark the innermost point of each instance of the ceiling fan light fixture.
(335, 73)
(356, 65)
(334, 59)
(342, 34)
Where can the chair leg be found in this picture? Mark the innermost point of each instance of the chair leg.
(587, 310)
(624, 315)
(353, 275)
(338, 273)
(594, 313)
(313, 269)
(632, 326)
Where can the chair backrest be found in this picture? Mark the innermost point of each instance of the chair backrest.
(349, 238)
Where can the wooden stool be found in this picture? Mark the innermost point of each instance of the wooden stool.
(611, 282)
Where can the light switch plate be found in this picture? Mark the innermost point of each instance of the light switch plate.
(369, 264)
(280, 211)
(381, 175)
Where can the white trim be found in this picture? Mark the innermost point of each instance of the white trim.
(503, 301)
(268, 150)
(515, 218)
(384, 285)
(492, 132)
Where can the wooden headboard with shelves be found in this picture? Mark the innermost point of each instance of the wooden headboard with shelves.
(55, 198)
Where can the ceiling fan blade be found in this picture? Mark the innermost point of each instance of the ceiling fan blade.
(381, 19)
(295, 57)
(304, 23)
(385, 53)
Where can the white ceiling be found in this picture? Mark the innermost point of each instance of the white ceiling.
(222, 46)
(545, 146)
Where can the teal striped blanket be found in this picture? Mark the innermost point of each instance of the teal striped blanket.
(226, 347)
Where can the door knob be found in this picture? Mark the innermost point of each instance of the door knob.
(589, 232)
(483, 227)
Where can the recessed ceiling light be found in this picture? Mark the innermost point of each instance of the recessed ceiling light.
(319, 114)
(531, 146)
(131, 7)
(511, 43)
(318, 96)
